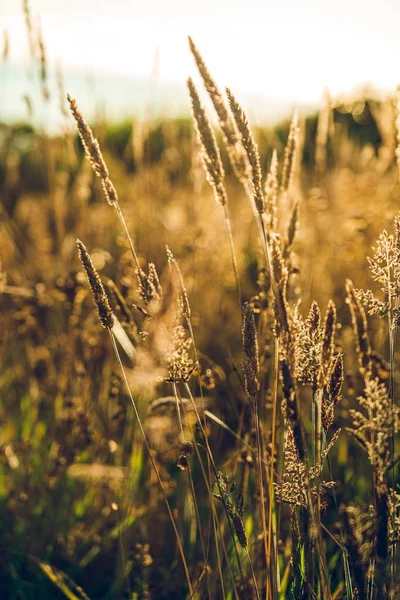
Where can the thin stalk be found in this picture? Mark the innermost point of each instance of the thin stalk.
(271, 476)
(252, 573)
(371, 579)
(215, 523)
(171, 516)
(129, 238)
(346, 565)
(261, 451)
(260, 482)
(314, 462)
(214, 468)
(313, 411)
(193, 492)
(392, 341)
(393, 548)
(318, 437)
(317, 458)
(391, 352)
(266, 248)
(207, 480)
(198, 583)
(123, 555)
(211, 467)
(233, 254)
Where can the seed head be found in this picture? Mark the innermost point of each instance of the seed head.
(251, 364)
(210, 152)
(99, 294)
(251, 149)
(93, 152)
(359, 321)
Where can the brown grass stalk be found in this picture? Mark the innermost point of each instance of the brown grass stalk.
(106, 319)
(215, 173)
(153, 464)
(215, 471)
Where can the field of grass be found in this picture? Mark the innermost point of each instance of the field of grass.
(228, 427)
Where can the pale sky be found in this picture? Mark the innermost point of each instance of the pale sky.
(289, 49)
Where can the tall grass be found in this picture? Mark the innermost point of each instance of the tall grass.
(249, 439)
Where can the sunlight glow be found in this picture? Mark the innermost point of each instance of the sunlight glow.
(287, 50)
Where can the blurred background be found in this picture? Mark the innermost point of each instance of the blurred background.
(77, 500)
(127, 57)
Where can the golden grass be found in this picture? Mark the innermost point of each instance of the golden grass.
(260, 460)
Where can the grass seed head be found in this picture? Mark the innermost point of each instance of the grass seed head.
(251, 149)
(235, 149)
(328, 342)
(99, 294)
(359, 321)
(93, 152)
(251, 365)
(210, 153)
(271, 194)
(289, 160)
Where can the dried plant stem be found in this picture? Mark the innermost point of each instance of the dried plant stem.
(214, 469)
(392, 330)
(371, 578)
(264, 240)
(216, 526)
(272, 568)
(345, 554)
(233, 253)
(394, 547)
(190, 477)
(253, 189)
(128, 237)
(130, 242)
(156, 471)
(253, 575)
(123, 555)
(313, 419)
(318, 444)
(207, 480)
(261, 454)
(260, 480)
(317, 437)
(313, 534)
